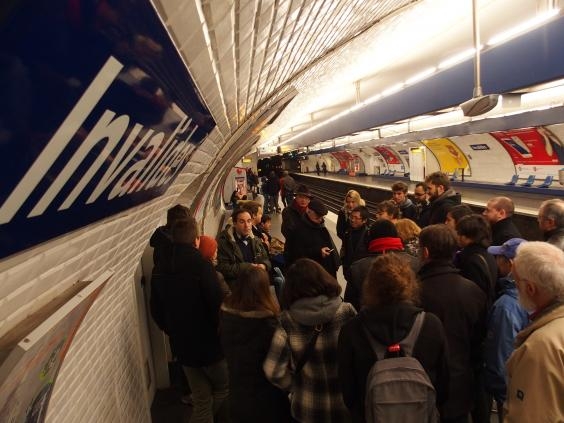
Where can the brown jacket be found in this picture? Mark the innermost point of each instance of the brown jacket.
(535, 371)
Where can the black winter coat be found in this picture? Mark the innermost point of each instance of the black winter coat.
(388, 325)
(343, 223)
(476, 264)
(461, 306)
(246, 337)
(307, 241)
(188, 296)
(504, 230)
(291, 217)
(161, 241)
(408, 210)
(440, 207)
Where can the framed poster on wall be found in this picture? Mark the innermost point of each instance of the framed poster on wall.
(28, 372)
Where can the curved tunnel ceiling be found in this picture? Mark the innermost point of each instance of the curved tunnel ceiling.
(532, 59)
(335, 54)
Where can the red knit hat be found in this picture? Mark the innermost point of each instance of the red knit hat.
(208, 246)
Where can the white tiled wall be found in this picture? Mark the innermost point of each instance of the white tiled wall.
(103, 377)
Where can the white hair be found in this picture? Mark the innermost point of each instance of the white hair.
(543, 264)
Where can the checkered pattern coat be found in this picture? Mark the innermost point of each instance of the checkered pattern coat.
(315, 391)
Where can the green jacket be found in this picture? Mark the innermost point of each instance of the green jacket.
(230, 259)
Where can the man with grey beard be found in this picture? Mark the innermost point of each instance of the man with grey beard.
(535, 387)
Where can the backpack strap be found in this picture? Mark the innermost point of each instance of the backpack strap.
(378, 348)
(308, 350)
(406, 343)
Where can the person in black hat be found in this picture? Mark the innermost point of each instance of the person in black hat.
(292, 214)
(311, 239)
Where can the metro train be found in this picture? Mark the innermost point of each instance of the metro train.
(112, 111)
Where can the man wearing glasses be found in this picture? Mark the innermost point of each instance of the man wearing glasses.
(534, 371)
(422, 205)
(355, 245)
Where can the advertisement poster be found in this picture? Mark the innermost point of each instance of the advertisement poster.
(449, 156)
(532, 146)
(389, 155)
(240, 181)
(358, 164)
(29, 372)
(343, 157)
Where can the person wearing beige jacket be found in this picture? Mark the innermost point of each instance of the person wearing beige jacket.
(535, 370)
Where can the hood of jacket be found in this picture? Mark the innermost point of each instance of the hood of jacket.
(313, 311)
(389, 324)
(181, 256)
(437, 268)
(407, 203)
(161, 237)
(449, 196)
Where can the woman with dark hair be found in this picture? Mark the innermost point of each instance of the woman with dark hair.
(476, 264)
(249, 317)
(473, 260)
(390, 295)
(302, 356)
(456, 213)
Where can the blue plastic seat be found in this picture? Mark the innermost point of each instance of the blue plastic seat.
(547, 182)
(529, 182)
(513, 180)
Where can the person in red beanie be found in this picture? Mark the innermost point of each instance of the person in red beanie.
(208, 250)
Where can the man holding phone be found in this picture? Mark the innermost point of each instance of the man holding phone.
(312, 240)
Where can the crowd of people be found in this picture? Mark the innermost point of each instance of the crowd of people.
(468, 310)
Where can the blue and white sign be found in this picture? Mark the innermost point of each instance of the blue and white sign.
(97, 114)
(478, 147)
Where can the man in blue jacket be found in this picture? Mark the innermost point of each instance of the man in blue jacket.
(506, 319)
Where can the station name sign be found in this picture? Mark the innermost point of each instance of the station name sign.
(99, 114)
(134, 158)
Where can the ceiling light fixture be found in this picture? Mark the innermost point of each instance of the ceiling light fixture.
(523, 27)
(479, 103)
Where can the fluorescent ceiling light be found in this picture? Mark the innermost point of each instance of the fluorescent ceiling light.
(523, 27)
(393, 89)
(457, 58)
(420, 76)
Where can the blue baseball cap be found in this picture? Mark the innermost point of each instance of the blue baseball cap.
(508, 249)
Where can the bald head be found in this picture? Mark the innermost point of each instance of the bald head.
(498, 208)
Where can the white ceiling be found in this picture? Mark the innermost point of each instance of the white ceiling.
(242, 54)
